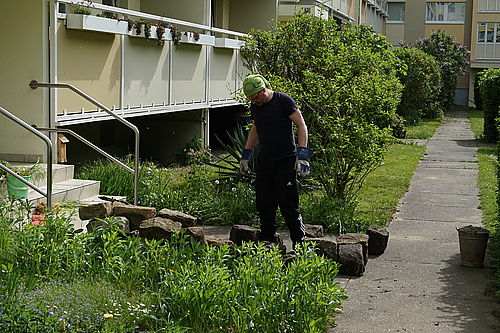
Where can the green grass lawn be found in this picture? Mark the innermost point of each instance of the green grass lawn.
(384, 187)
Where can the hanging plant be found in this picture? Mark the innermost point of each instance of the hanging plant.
(130, 24)
(196, 35)
(176, 35)
(139, 25)
(160, 31)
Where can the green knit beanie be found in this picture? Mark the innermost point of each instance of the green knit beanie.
(254, 83)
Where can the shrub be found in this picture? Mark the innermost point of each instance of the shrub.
(344, 80)
(451, 56)
(489, 86)
(478, 101)
(421, 85)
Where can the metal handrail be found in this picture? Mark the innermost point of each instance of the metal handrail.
(47, 194)
(88, 143)
(153, 17)
(35, 84)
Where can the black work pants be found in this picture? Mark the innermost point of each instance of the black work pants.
(276, 186)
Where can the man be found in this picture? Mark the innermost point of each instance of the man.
(279, 160)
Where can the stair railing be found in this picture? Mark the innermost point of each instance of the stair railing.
(47, 194)
(35, 84)
(88, 143)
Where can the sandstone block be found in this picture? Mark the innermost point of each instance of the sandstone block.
(135, 214)
(314, 230)
(99, 210)
(185, 219)
(159, 228)
(377, 239)
(351, 259)
(352, 238)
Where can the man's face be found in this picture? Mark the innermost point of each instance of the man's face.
(256, 98)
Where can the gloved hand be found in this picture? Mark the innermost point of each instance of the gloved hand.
(302, 165)
(244, 162)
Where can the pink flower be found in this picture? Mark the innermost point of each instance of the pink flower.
(38, 220)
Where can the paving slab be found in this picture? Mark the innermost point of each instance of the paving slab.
(418, 284)
(438, 199)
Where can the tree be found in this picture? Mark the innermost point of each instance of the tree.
(344, 80)
(421, 85)
(451, 55)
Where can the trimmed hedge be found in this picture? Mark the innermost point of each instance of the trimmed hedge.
(489, 86)
(477, 94)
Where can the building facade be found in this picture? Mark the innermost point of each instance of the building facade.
(475, 23)
(372, 12)
(172, 89)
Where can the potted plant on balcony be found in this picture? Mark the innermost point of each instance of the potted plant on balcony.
(15, 187)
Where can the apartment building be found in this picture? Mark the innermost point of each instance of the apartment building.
(172, 90)
(475, 23)
(372, 12)
(484, 38)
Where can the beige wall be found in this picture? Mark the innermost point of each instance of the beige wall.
(260, 11)
(91, 62)
(395, 32)
(146, 76)
(23, 58)
(455, 29)
(414, 20)
(186, 10)
(189, 62)
(222, 70)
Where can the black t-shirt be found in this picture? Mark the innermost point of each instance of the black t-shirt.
(274, 127)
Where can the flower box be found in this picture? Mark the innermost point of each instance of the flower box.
(167, 35)
(190, 37)
(228, 43)
(96, 23)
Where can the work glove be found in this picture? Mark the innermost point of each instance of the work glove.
(245, 161)
(302, 165)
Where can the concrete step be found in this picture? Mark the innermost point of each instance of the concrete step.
(68, 190)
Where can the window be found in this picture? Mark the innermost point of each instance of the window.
(488, 5)
(445, 12)
(488, 40)
(396, 11)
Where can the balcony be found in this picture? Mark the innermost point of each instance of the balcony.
(125, 65)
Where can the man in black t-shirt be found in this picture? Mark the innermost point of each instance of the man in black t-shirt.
(279, 160)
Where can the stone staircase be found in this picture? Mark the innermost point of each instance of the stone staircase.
(65, 187)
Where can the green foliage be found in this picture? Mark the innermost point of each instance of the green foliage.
(424, 129)
(451, 56)
(489, 86)
(193, 190)
(82, 10)
(59, 280)
(193, 153)
(478, 101)
(421, 85)
(344, 80)
(488, 183)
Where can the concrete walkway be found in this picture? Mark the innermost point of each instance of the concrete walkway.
(418, 284)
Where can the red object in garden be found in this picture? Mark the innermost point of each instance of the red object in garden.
(38, 220)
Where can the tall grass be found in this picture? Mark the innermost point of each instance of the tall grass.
(56, 279)
(487, 155)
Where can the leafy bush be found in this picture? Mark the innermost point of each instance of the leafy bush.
(478, 101)
(421, 85)
(344, 80)
(489, 86)
(451, 56)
